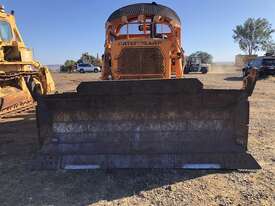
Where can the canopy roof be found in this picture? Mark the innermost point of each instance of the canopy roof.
(147, 9)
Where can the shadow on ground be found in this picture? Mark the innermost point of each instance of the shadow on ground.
(264, 77)
(18, 145)
(233, 79)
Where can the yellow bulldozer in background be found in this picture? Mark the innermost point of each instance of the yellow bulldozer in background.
(22, 79)
(140, 46)
(144, 114)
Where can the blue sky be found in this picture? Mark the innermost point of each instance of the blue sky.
(63, 29)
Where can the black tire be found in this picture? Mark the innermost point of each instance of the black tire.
(261, 75)
(96, 71)
(81, 71)
(186, 70)
(204, 70)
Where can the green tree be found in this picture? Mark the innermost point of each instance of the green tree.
(90, 59)
(69, 63)
(205, 57)
(253, 35)
(68, 66)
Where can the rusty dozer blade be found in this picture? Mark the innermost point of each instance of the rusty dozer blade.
(145, 124)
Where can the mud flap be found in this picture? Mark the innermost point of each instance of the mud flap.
(145, 124)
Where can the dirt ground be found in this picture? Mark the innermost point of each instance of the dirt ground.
(21, 186)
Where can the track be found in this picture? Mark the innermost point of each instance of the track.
(20, 106)
(16, 110)
(15, 75)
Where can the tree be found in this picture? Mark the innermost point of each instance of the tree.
(68, 66)
(204, 56)
(253, 35)
(90, 59)
(69, 63)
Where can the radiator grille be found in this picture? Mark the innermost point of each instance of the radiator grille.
(141, 61)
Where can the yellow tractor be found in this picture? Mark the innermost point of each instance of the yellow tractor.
(22, 79)
(144, 114)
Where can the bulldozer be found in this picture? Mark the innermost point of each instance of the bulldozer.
(143, 113)
(22, 79)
